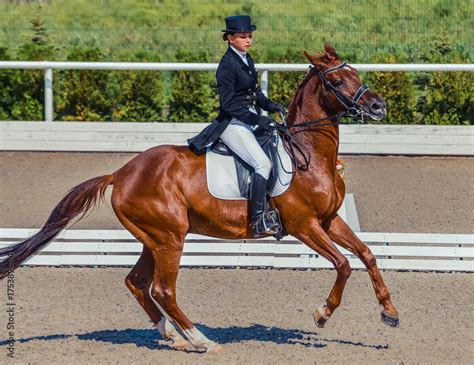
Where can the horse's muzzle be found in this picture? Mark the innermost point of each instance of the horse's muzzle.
(375, 109)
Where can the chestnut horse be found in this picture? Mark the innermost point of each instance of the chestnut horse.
(161, 195)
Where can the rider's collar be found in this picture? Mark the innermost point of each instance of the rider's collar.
(243, 55)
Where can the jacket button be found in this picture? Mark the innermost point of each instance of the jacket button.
(254, 103)
(248, 97)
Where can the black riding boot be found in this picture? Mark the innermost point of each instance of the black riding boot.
(262, 221)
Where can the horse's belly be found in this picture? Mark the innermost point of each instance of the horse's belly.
(219, 218)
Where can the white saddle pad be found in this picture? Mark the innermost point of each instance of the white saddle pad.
(222, 175)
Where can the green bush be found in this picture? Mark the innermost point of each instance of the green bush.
(136, 96)
(194, 94)
(23, 90)
(82, 95)
(6, 88)
(282, 84)
(398, 91)
(448, 96)
(427, 98)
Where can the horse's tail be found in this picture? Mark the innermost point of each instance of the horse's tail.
(76, 202)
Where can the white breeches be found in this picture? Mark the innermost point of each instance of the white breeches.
(239, 137)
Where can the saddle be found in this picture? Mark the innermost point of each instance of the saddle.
(268, 142)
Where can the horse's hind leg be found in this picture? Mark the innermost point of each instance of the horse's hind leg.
(138, 281)
(343, 235)
(316, 238)
(167, 255)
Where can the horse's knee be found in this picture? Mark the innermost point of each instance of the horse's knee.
(343, 268)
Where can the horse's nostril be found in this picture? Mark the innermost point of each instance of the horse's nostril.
(376, 106)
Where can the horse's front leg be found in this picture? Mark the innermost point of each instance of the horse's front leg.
(342, 234)
(314, 236)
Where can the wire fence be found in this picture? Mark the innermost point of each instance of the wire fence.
(358, 28)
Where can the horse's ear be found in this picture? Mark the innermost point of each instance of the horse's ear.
(312, 59)
(331, 51)
(318, 59)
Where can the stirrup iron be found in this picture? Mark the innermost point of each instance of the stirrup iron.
(267, 224)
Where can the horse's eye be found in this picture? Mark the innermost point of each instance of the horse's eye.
(338, 83)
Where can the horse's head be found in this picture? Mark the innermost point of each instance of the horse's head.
(342, 88)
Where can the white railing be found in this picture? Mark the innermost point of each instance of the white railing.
(400, 251)
(49, 66)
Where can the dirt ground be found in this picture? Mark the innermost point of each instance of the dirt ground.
(87, 315)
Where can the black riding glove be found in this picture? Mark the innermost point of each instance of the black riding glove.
(266, 123)
(276, 107)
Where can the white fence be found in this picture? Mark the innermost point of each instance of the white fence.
(137, 137)
(404, 251)
(48, 68)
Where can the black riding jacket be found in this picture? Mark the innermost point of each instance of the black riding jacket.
(238, 91)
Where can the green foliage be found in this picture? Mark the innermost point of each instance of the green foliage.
(398, 91)
(136, 96)
(282, 84)
(360, 28)
(194, 95)
(82, 95)
(6, 88)
(25, 88)
(145, 33)
(448, 96)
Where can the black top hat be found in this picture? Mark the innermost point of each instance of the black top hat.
(239, 24)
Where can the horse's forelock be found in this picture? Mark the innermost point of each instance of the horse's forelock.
(325, 58)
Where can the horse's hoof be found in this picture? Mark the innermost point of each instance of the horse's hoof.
(319, 320)
(215, 349)
(390, 320)
(182, 345)
(320, 316)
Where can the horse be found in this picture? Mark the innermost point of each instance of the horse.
(161, 195)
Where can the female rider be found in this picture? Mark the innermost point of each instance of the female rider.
(239, 93)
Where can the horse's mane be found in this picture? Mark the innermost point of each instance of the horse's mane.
(298, 94)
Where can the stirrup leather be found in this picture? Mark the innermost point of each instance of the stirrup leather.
(268, 223)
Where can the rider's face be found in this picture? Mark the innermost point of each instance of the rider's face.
(241, 41)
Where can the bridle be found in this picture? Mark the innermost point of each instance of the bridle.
(353, 110)
(352, 105)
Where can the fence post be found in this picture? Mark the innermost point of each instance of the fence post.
(48, 95)
(264, 86)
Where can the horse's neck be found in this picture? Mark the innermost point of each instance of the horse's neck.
(324, 138)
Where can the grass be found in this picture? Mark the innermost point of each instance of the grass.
(357, 28)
